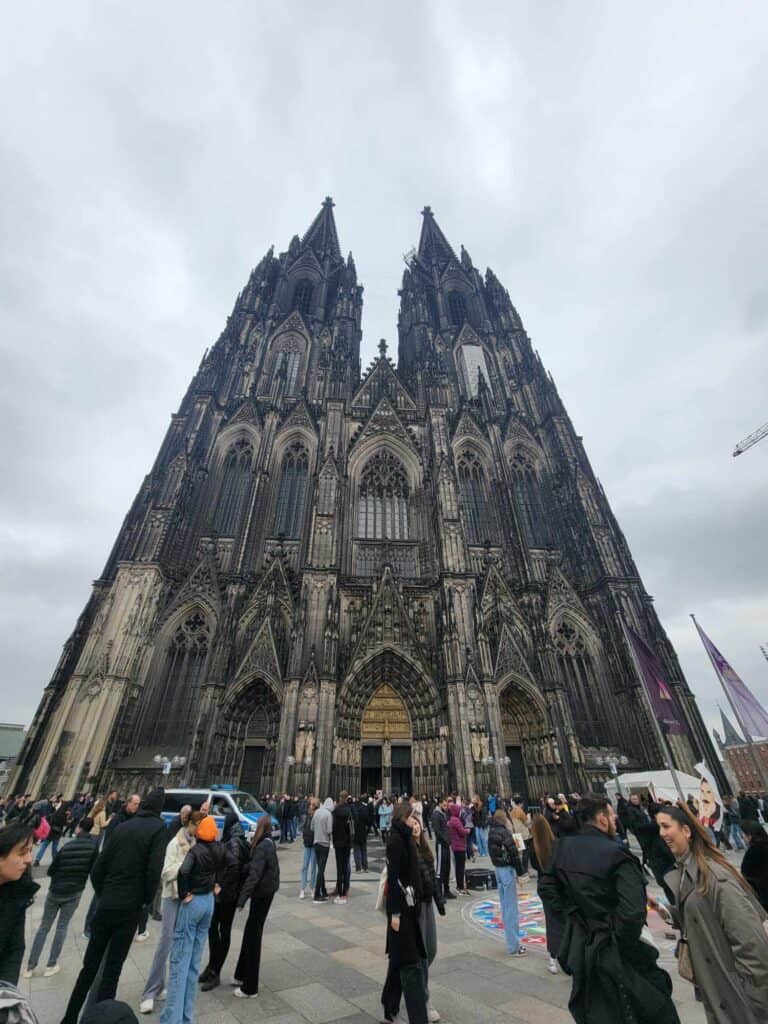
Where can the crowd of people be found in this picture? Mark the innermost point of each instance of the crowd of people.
(592, 886)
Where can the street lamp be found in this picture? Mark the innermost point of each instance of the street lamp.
(166, 764)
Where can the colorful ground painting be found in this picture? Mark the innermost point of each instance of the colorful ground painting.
(486, 915)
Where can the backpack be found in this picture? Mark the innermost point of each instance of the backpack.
(43, 830)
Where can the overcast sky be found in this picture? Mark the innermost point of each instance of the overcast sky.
(609, 163)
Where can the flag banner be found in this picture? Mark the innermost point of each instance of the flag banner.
(751, 712)
(663, 702)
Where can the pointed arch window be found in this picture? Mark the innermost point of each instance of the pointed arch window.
(292, 495)
(171, 714)
(529, 507)
(302, 295)
(287, 367)
(382, 504)
(577, 670)
(457, 308)
(235, 485)
(474, 500)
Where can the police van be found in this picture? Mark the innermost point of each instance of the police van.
(221, 800)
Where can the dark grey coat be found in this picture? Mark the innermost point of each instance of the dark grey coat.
(728, 945)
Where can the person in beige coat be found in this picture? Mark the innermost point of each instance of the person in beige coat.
(723, 923)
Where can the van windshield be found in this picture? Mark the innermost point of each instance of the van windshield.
(247, 803)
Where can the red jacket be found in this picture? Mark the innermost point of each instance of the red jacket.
(458, 834)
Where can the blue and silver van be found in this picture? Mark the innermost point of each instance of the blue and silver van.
(221, 800)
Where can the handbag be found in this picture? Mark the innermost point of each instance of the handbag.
(43, 830)
(381, 893)
(684, 962)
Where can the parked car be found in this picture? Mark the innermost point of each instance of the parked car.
(221, 799)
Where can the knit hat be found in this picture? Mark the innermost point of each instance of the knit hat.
(154, 800)
(207, 830)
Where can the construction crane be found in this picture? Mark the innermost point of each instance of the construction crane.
(748, 442)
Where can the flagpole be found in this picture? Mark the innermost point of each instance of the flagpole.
(665, 751)
(747, 736)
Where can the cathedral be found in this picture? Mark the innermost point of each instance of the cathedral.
(405, 578)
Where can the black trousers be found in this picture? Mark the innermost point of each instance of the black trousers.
(443, 865)
(460, 859)
(361, 856)
(220, 936)
(112, 933)
(342, 869)
(409, 981)
(249, 961)
(321, 856)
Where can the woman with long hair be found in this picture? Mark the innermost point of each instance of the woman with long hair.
(507, 866)
(385, 818)
(521, 827)
(260, 886)
(480, 819)
(724, 944)
(16, 892)
(99, 817)
(405, 943)
(542, 847)
(309, 864)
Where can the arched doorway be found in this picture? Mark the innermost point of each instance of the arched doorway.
(250, 727)
(529, 741)
(385, 735)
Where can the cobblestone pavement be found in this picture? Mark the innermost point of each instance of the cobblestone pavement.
(326, 963)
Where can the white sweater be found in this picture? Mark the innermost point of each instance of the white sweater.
(175, 852)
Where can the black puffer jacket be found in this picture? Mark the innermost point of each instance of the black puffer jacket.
(15, 897)
(203, 868)
(502, 849)
(70, 868)
(343, 826)
(263, 873)
(238, 854)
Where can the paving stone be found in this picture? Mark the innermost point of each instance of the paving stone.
(529, 1009)
(318, 1004)
(325, 941)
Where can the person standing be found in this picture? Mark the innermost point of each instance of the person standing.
(385, 818)
(99, 817)
(360, 830)
(507, 866)
(598, 888)
(542, 849)
(309, 863)
(260, 886)
(442, 847)
(124, 878)
(655, 851)
(754, 865)
(405, 943)
(69, 871)
(723, 925)
(175, 853)
(17, 890)
(322, 829)
(458, 840)
(198, 881)
(125, 813)
(238, 855)
(343, 830)
(732, 823)
(520, 822)
(58, 822)
(481, 823)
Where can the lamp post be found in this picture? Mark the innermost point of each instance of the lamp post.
(167, 764)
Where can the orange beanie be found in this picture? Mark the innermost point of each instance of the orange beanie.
(207, 830)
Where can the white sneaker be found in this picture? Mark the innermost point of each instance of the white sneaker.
(146, 1006)
(142, 936)
(243, 995)
(340, 899)
(28, 973)
(432, 1015)
(553, 967)
(162, 996)
(50, 971)
(302, 895)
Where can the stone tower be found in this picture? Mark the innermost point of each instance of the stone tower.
(408, 580)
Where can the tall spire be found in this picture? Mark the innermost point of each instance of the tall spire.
(321, 234)
(434, 247)
(730, 736)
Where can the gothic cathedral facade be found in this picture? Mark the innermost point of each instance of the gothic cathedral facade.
(408, 579)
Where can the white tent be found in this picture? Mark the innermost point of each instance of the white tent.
(660, 784)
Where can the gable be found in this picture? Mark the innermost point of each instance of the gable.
(384, 420)
(382, 381)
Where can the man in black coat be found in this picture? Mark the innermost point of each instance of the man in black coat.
(68, 872)
(360, 837)
(126, 812)
(125, 878)
(343, 831)
(599, 890)
(442, 847)
(655, 851)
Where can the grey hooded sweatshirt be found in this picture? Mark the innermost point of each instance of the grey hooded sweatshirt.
(322, 824)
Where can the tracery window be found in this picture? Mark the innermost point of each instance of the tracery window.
(292, 495)
(172, 712)
(473, 358)
(526, 492)
(382, 509)
(302, 295)
(235, 485)
(578, 672)
(457, 308)
(287, 366)
(473, 498)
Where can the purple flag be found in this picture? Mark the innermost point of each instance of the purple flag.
(750, 711)
(663, 702)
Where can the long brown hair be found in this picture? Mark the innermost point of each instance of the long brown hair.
(702, 848)
(519, 814)
(98, 806)
(264, 827)
(543, 840)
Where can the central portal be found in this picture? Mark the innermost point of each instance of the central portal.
(386, 744)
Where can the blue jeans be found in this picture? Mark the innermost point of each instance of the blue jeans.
(189, 935)
(481, 837)
(737, 837)
(506, 879)
(309, 867)
(44, 846)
